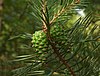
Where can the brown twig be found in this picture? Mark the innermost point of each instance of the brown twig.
(77, 1)
(43, 11)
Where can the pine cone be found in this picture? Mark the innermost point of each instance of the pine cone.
(41, 44)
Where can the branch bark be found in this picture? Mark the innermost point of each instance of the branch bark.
(44, 11)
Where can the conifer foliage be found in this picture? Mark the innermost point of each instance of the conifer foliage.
(59, 50)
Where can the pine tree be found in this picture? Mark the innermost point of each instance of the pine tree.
(60, 50)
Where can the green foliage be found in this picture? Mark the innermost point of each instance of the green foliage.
(60, 46)
(81, 52)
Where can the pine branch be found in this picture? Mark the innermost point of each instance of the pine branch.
(56, 51)
(46, 25)
(43, 10)
(60, 12)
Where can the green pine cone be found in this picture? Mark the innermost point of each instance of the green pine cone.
(39, 41)
(41, 44)
(58, 34)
